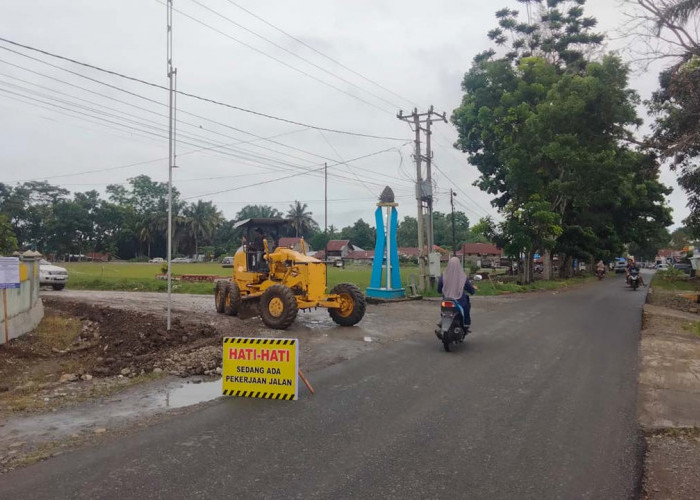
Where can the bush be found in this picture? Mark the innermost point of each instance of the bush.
(671, 274)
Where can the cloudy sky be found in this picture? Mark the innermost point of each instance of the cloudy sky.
(83, 129)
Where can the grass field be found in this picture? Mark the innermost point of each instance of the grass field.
(142, 277)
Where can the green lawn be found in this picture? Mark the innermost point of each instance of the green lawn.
(676, 282)
(142, 277)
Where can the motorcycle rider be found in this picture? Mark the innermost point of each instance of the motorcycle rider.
(600, 267)
(631, 265)
(454, 284)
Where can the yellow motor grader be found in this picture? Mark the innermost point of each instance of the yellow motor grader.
(280, 280)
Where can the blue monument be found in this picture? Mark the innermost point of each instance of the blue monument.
(386, 254)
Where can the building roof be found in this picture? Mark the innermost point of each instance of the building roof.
(481, 249)
(337, 245)
(668, 252)
(361, 254)
(289, 241)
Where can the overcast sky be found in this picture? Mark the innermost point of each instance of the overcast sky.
(416, 51)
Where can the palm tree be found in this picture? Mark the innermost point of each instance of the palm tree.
(301, 219)
(680, 11)
(201, 220)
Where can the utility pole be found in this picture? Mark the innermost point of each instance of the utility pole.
(325, 197)
(424, 188)
(454, 238)
(172, 72)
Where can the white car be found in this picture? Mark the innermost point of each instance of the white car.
(157, 260)
(50, 275)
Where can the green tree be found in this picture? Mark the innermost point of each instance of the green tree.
(201, 220)
(407, 232)
(360, 234)
(8, 240)
(301, 219)
(555, 129)
(258, 212)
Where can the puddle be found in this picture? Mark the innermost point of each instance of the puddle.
(109, 413)
(191, 394)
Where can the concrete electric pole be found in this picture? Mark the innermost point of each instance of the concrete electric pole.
(172, 72)
(424, 188)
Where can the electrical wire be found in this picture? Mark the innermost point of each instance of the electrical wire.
(287, 176)
(293, 54)
(298, 168)
(322, 54)
(193, 96)
(162, 104)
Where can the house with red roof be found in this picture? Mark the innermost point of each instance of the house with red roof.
(481, 253)
(294, 244)
(338, 249)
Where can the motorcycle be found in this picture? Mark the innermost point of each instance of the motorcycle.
(600, 274)
(633, 279)
(452, 329)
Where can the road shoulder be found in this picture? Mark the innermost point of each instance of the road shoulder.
(669, 396)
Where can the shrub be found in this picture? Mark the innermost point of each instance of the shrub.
(671, 274)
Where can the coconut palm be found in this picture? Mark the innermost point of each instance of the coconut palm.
(680, 11)
(200, 221)
(301, 220)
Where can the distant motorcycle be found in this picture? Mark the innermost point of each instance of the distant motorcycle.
(452, 329)
(633, 279)
(600, 274)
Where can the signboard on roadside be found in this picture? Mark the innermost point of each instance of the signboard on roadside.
(260, 368)
(9, 272)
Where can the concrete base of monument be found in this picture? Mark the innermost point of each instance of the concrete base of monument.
(375, 295)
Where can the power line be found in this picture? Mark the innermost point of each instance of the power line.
(286, 176)
(294, 68)
(193, 96)
(303, 170)
(161, 104)
(341, 159)
(322, 54)
(254, 33)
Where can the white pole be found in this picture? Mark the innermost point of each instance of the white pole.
(170, 156)
(388, 248)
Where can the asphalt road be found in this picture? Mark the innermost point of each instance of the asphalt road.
(540, 402)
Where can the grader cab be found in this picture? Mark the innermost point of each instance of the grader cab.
(278, 281)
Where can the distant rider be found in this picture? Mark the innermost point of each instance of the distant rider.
(632, 266)
(454, 284)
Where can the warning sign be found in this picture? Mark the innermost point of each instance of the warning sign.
(260, 368)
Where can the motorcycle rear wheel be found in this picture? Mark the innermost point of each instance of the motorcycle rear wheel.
(446, 345)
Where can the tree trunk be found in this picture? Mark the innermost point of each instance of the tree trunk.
(547, 265)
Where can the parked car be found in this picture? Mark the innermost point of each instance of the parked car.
(227, 262)
(53, 276)
(183, 260)
(620, 266)
(156, 260)
(661, 267)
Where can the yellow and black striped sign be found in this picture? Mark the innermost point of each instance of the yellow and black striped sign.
(260, 368)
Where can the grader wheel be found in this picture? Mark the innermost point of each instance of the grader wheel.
(220, 296)
(352, 305)
(278, 307)
(233, 299)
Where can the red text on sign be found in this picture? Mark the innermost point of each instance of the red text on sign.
(248, 354)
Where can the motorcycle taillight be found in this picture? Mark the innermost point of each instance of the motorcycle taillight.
(448, 303)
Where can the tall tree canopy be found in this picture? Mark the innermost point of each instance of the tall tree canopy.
(549, 131)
